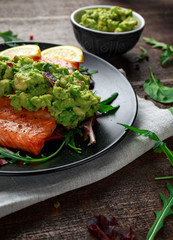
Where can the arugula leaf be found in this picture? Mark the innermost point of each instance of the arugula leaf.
(8, 36)
(143, 55)
(13, 157)
(70, 139)
(107, 108)
(109, 99)
(159, 147)
(156, 44)
(171, 109)
(161, 215)
(163, 178)
(104, 106)
(168, 50)
(85, 71)
(166, 55)
(154, 88)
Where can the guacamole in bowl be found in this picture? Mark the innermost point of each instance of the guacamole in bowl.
(107, 31)
(115, 19)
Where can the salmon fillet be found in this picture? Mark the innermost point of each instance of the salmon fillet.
(61, 63)
(24, 130)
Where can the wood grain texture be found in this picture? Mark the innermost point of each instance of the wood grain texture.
(130, 194)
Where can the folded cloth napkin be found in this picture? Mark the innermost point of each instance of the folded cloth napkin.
(17, 192)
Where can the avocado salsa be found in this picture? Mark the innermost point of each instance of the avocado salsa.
(114, 19)
(38, 85)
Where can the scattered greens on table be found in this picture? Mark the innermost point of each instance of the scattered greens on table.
(166, 56)
(8, 36)
(161, 215)
(143, 55)
(154, 88)
(164, 178)
(159, 147)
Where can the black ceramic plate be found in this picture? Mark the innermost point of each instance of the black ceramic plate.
(108, 133)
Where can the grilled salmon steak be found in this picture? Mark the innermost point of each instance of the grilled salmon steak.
(24, 130)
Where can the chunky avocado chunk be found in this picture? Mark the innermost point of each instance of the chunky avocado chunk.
(36, 85)
(5, 87)
(115, 19)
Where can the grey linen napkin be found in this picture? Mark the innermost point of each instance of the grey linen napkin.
(17, 192)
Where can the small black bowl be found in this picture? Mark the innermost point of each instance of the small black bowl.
(105, 44)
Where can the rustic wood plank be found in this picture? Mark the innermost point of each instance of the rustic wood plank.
(130, 194)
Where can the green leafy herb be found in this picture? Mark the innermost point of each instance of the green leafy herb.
(13, 157)
(163, 178)
(168, 50)
(47, 67)
(105, 107)
(70, 139)
(161, 215)
(143, 55)
(171, 109)
(154, 88)
(108, 108)
(159, 147)
(85, 71)
(8, 36)
(109, 99)
(166, 55)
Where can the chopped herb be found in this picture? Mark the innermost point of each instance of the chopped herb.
(166, 56)
(47, 67)
(85, 71)
(154, 88)
(159, 147)
(161, 215)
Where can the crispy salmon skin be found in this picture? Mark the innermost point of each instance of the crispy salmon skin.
(24, 130)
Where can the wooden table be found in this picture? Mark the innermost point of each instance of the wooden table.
(131, 194)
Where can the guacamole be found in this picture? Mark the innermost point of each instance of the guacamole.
(115, 19)
(38, 85)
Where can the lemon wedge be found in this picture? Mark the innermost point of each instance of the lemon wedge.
(23, 50)
(67, 53)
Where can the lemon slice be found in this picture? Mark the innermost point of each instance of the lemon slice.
(24, 50)
(67, 53)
